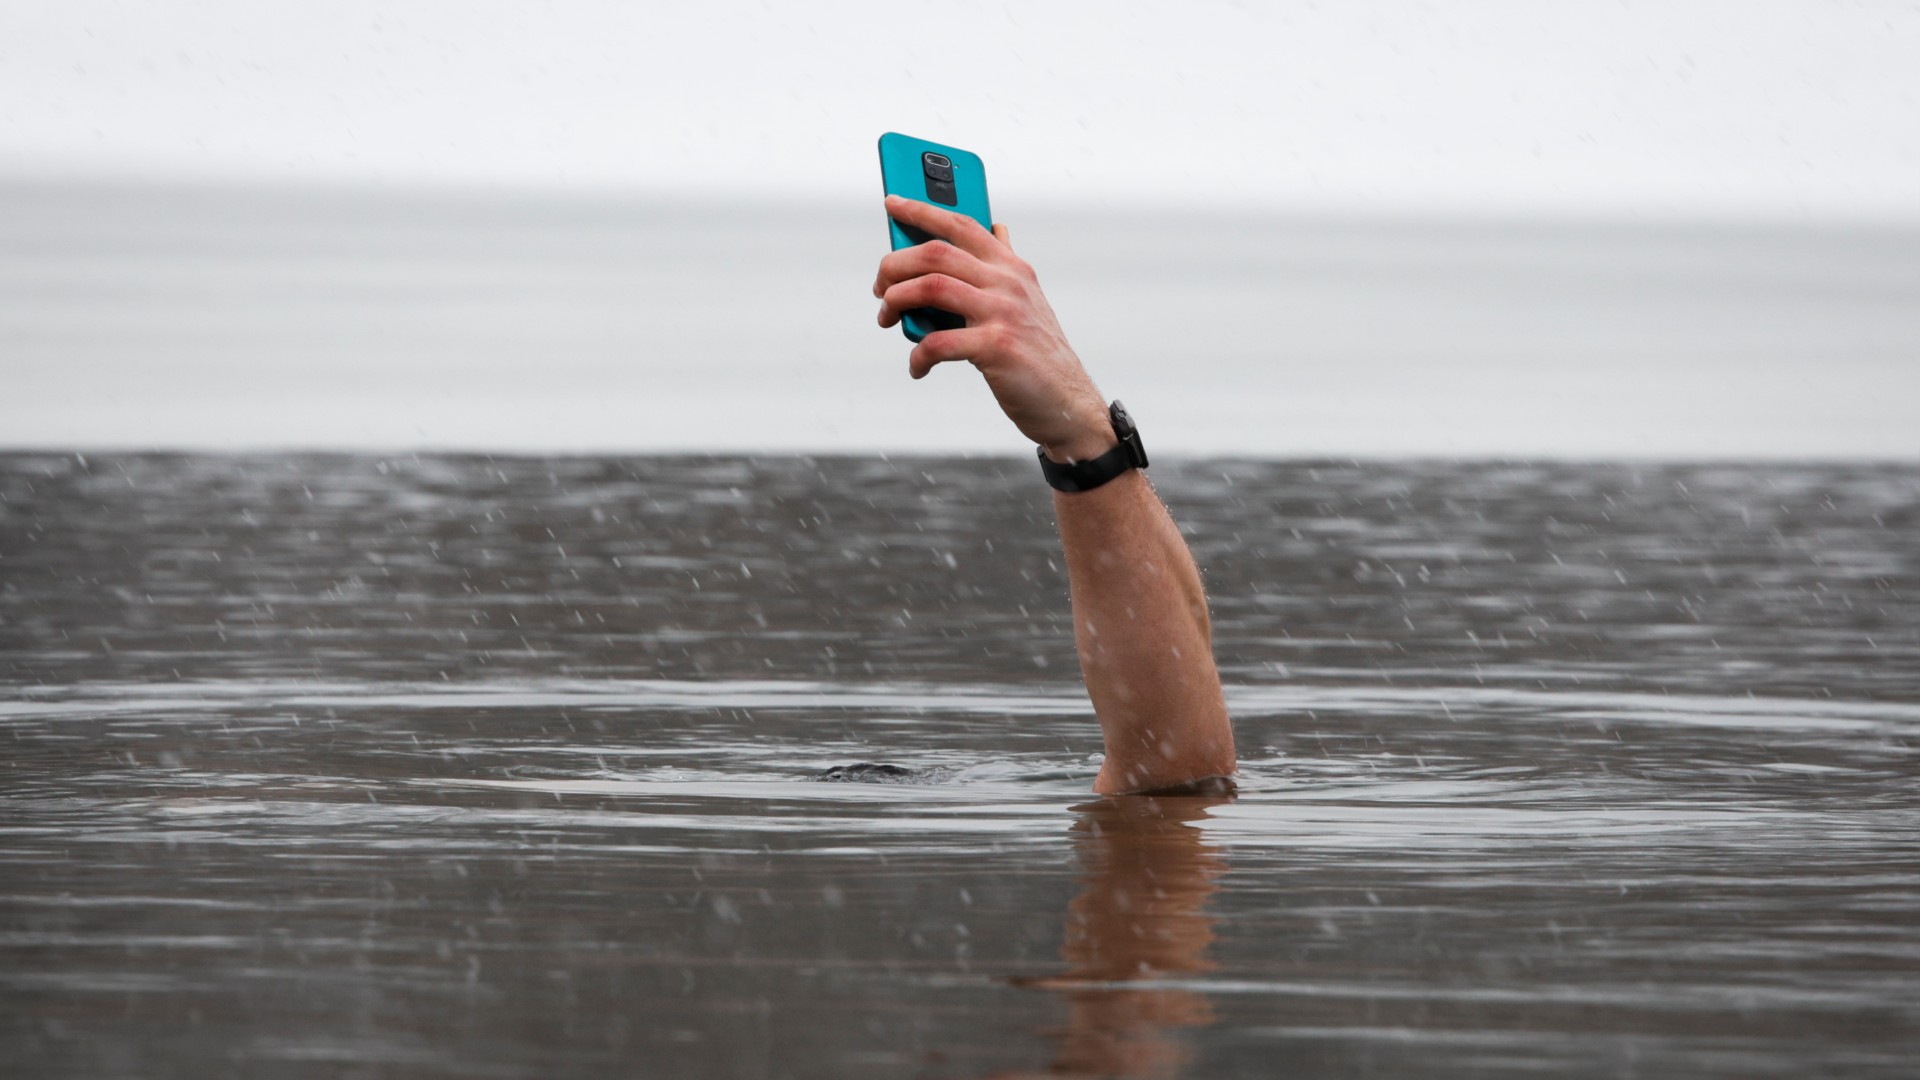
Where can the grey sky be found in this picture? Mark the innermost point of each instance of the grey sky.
(1753, 107)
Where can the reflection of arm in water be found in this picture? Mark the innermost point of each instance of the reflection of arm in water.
(1139, 614)
(1147, 873)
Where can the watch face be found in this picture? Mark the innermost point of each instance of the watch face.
(1128, 434)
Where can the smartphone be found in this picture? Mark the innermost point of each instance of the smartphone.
(945, 176)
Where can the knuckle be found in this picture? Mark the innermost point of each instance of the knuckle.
(943, 287)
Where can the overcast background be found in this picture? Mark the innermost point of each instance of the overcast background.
(1579, 229)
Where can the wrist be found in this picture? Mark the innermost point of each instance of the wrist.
(1086, 470)
(1087, 437)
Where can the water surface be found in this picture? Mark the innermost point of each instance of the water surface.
(251, 318)
(324, 765)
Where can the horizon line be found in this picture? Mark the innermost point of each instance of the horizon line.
(1440, 211)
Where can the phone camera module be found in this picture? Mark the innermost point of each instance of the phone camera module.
(939, 170)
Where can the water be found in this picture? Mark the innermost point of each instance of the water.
(256, 318)
(411, 766)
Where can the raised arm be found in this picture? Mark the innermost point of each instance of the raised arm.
(1139, 613)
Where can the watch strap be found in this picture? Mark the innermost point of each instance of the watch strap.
(1078, 476)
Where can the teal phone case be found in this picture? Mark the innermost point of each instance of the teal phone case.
(902, 174)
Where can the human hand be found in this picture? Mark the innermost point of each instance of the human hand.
(1011, 335)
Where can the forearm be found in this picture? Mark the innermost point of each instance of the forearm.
(1146, 650)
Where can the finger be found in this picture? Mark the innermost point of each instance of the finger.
(921, 259)
(934, 291)
(1001, 234)
(944, 345)
(957, 229)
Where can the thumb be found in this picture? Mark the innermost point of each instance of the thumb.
(1001, 234)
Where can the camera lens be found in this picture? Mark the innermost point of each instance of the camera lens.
(938, 167)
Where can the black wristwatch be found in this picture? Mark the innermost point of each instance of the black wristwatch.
(1087, 475)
